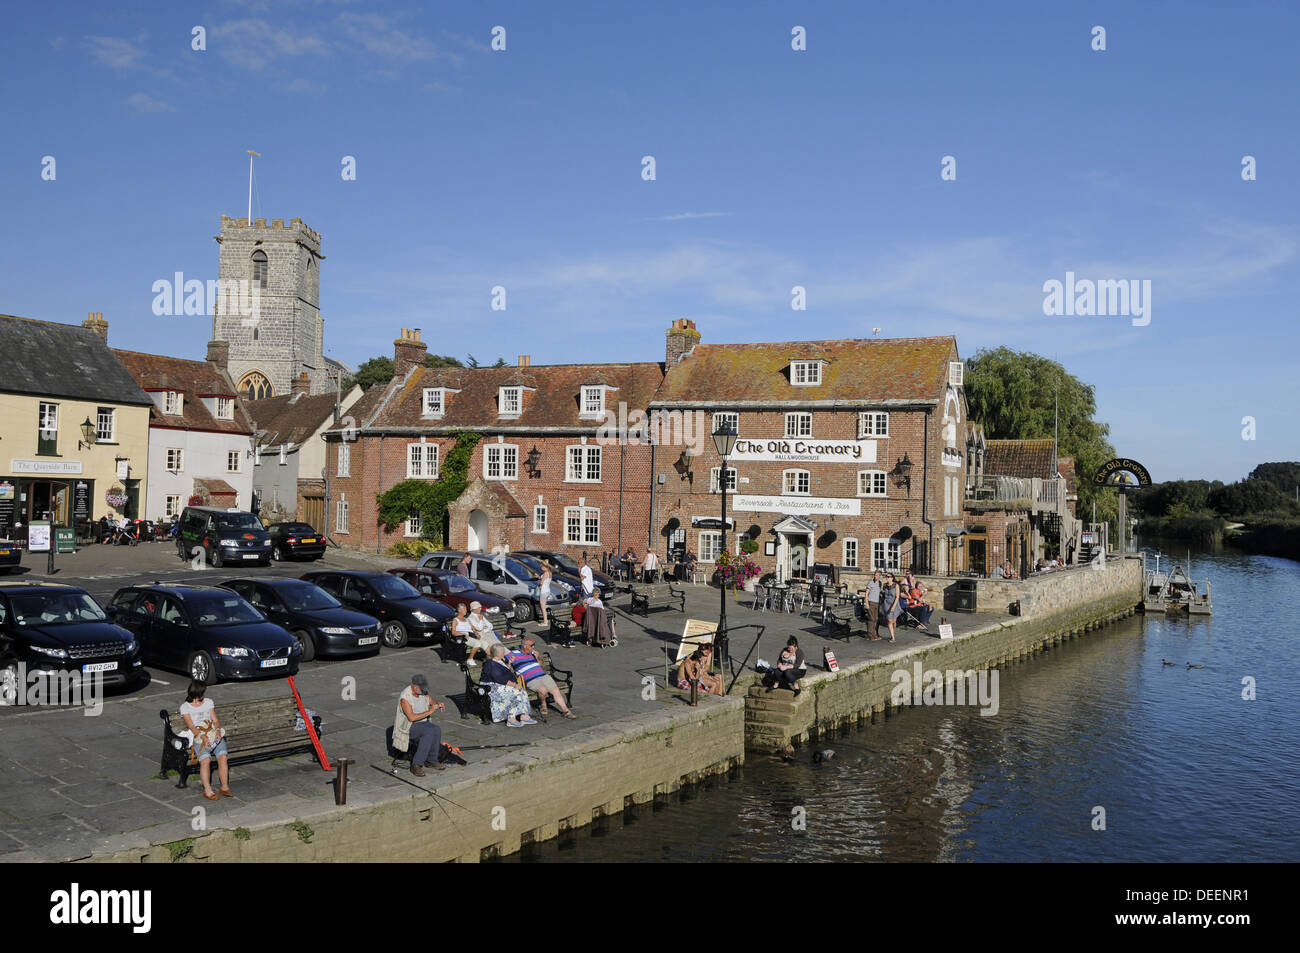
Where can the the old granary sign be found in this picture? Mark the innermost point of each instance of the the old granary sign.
(1112, 472)
(804, 450)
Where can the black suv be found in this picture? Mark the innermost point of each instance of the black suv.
(209, 633)
(49, 627)
(223, 536)
(311, 615)
(402, 610)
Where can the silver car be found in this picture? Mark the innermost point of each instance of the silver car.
(504, 577)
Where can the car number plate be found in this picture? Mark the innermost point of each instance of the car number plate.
(4, 552)
(274, 662)
(100, 667)
(251, 556)
(370, 640)
(310, 539)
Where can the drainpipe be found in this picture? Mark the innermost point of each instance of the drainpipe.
(622, 457)
(654, 482)
(925, 493)
(378, 527)
(325, 475)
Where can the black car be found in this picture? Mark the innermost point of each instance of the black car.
(402, 610)
(562, 567)
(209, 633)
(222, 536)
(49, 627)
(295, 541)
(10, 555)
(316, 619)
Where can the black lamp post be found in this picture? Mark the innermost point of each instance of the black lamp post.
(724, 441)
(87, 435)
(534, 456)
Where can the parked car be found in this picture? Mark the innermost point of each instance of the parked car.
(295, 541)
(565, 567)
(453, 589)
(402, 610)
(209, 633)
(223, 535)
(311, 615)
(503, 576)
(11, 556)
(51, 627)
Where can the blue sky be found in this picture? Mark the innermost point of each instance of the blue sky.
(775, 168)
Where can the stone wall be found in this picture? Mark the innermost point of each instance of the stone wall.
(493, 809)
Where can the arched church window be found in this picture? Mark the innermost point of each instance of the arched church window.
(259, 268)
(254, 386)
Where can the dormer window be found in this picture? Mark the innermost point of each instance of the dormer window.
(225, 408)
(435, 399)
(510, 400)
(172, 402)
(805, 373)
(593, 401)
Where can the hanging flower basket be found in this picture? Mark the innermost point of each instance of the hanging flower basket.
(737, 571)
(115, 497)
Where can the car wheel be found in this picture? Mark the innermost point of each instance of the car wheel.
(394, 635)
(523, 610)
(276, 554)
(308, 645)
(200, 666)
(216, 559)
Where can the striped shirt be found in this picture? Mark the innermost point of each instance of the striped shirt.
(526, 665)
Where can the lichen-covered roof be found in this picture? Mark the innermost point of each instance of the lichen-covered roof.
(1020, 458)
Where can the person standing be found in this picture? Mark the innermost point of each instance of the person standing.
(891, 601)
(544, 591)
(588, 581)
(415, 706)
(209, 738)
(873, 607)
(650, 566)
(463, 568)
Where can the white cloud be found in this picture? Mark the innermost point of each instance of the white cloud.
(253, 44)
(684, 215)
(376, 33)
(144, 103)
(114, 51)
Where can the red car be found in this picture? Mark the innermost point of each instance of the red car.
(453, 589)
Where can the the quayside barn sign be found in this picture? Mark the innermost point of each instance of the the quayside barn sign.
(804, 450)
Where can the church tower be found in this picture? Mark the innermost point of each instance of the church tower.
(267, 307)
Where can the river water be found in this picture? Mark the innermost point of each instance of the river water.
(1184, 767)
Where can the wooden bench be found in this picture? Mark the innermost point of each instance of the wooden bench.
(254, 730)
(841, 618)
(561, 619)
(657, 596)
(478, 703)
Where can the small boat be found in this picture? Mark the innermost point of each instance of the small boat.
(1173, 592)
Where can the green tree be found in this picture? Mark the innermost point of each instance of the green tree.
(377, 370)
(501, 362)
(471, 360)
(1250, 497)
(441, 360)
(1014, 393)
(1284, 476)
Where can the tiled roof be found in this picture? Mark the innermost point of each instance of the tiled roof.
(363, 409)
(62, 360)
(509, 505)
(292, 418)
(216, 487)
(1020, 458)
(553, 404)
(857, 370)
(194, 379)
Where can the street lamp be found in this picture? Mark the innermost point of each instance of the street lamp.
(531, 461)
(87, 435)
(724, 441)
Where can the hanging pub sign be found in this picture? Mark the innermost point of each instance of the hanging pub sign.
(1113, 473)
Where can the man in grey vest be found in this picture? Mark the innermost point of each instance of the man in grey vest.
(873, 607)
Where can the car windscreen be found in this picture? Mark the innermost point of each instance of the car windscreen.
(521, 569)
(296, 529)
(55, 608)
(241, 521)
(564, 564)
(303, 596)
(221, 610)
(390, 587)
(458, 584)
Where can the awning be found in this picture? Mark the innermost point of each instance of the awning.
(954, 530)
(711, 522)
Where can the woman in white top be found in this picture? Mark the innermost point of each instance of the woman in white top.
(209, 738)
(544, 592)
(461, 629)
(482, 634)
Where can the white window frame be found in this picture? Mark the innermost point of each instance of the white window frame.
(232, 457)
(539, 519)
(422, 464)
(413, 525)
(714, 547)
(341, 514)
(874, 478)
(851, 552)
(956, 373)
(796, 473)
(508, 395)
(588, 461)
(726, 416)
(345, 460)
(225, 408)
(892, 554)
(581, 518)
(173, 405)
(432, 396)
(593, 400)
(507, 464)
(178, 460)
(714, 475)
(48, 419)
(795, 422)
(809, 371)
(172, 505)
(105, 434)
(873, 423)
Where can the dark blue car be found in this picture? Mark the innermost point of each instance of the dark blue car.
(316, 619)
(209, 633)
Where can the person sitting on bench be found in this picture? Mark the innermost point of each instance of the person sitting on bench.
(506, 692)
(529, 667)
(207, 737)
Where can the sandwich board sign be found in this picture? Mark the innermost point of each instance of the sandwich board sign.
(945, 630)
(696, 633)
(38, 536)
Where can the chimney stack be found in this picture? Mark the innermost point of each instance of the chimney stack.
(219, 354)
(408, 352)
(682, 338)
(525, 360)
(95, 321)
(300, 384)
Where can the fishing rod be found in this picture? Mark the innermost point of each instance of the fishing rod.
(392, 773)
(515, 744)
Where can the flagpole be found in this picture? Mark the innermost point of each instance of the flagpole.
(251, 154)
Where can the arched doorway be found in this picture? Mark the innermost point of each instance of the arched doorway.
(255, 386)
(478, 531)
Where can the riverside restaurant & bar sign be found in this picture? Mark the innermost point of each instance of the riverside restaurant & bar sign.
(797, 450)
